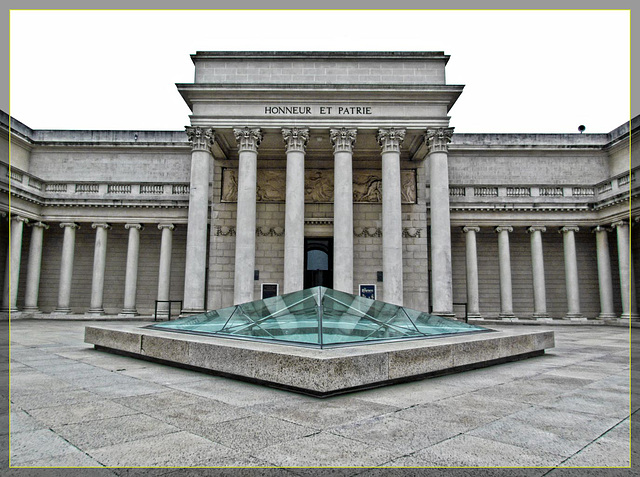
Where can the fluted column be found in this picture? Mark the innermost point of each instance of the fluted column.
(504, 258)
(537, 268)
(164, 272)
(66, 268)
(14, 257)
(441, 274)
(34, 267)
(473, 297)
(248, 143)
(571, 272)
(296, 142)
(605, 283)
(624, 265)
(390, 141)
(131, 276)
(99, 264)
(343, 140)
(196, 259)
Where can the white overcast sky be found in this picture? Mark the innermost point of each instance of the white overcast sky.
(523, 71)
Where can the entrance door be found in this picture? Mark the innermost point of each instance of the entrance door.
(318, 262)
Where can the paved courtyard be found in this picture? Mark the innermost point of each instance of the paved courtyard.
(73, 406)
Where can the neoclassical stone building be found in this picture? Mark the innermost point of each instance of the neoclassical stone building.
(320, 168)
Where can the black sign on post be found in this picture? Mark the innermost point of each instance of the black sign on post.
(269, 290)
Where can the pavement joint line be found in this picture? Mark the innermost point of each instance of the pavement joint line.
(588, 444)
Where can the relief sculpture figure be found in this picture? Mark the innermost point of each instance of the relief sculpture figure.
(271, 186)
(367, 187)
(408, 187)
(318, 186)
(229, 185)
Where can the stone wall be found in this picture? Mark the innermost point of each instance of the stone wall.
(319, 70)
(501, 168)
(115, 165)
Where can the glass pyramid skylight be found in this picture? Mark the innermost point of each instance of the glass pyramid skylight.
(318, 317)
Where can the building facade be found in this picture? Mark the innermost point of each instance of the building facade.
(320, 168)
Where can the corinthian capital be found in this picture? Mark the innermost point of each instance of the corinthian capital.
(390, 139)
(201, 139)
(343, 139)
(248, 139)
(438, 139)
(295, 138)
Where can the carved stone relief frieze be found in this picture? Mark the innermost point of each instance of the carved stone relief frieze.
(271, 186)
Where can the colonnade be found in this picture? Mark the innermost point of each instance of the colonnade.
(96, 307)
(628, 299)
(343, 141)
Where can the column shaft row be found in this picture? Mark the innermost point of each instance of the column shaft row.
(629, 310)
(96, 307)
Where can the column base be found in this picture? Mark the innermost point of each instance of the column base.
(128, 312)
(607, 316)
(630, 316)
(61, 311)
(31, 309)
(474, 316)
(95, 312)
(507, 316)
(191, 311)
(574, 317)
(445, 314)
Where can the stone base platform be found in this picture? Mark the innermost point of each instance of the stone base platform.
(321, 372)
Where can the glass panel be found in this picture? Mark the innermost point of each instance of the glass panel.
(298, 317)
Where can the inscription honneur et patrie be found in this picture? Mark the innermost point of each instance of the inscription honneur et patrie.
(319, 110)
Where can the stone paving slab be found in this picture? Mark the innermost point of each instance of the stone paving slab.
(38, 445)
(88, 411)
(323, 414)
(255, 432)
(180, 449)
(324, 449)
(35, 398)
(468, 450)
(568, 407)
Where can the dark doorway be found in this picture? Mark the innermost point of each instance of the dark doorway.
(318, 262)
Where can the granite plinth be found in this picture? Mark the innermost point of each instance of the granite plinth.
(321, 372)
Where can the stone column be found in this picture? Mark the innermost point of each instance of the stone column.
(14, 257)
(248, 143)
(624, 265)
(537, 267)
(66, 268)
(473, 298)
(571, 272)
(390, 141)
(441, 274)
(504, 258)
(343, 140)
(196, 260)
(164, 272)
(604, 273)
(296, 142)
(99, 264)
(34, 267)
(131, 277)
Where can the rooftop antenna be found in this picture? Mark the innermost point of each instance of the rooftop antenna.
(581, 128)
